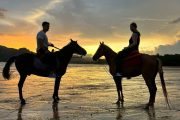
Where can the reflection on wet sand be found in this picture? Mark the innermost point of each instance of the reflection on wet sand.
(55, 111)
(20, 112)
(87, 96)
(151, 113)
(120, 111)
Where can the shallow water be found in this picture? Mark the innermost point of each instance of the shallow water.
(87, 92)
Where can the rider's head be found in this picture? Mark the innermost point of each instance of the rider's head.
(45, 26)
(133, 27)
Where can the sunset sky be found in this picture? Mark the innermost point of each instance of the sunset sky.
(92, 21)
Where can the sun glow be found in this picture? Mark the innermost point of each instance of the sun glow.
(18, 41)
(148, 44)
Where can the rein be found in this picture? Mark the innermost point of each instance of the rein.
(60, 49)
(56, 47)
(107, 71)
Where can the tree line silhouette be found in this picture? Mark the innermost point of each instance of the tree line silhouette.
(170, 60)
(6, 53)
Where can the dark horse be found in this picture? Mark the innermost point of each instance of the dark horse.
(149, 67)
(25, 66)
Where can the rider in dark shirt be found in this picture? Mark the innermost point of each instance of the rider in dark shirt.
(133, 45)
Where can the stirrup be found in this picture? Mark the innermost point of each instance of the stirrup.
(118, 74)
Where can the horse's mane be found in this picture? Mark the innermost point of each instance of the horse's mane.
(64, 49)
(109, 49)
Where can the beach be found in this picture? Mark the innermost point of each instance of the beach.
(88, 92)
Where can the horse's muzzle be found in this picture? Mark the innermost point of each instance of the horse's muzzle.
(94, 58)
(83, 53)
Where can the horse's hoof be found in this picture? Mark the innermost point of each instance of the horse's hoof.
(23, 102)
(146, 107)
(55, 101)
(118, 102)
(56, 98)
(149, 106)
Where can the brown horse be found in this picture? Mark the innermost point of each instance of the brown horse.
(149, 67)
(59, 60)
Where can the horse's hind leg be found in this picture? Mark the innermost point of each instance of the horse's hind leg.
(120, 89)
(122, 96)
(20, 86)
(152, 90)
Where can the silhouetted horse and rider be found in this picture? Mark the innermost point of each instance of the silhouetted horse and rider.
(148, 66)
(130, 63)
(25, 66)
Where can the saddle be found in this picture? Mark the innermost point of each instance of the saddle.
(45, 62)
(133, 59)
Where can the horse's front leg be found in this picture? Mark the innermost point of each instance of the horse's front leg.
(56, 88)
(119, 89)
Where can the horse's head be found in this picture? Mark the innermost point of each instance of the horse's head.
(77, 49)
(100, 52)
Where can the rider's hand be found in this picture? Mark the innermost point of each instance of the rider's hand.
(125, 48)
(52, 45)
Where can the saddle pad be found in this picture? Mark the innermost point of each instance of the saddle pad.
(134, 58)
(39, 64)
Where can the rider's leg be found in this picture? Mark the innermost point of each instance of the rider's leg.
(118, 63)
(119, 59)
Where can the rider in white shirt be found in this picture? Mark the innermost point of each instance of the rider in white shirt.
(42, 40)
(42, 49)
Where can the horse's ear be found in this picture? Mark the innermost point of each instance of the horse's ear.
(71, 40)
(102, 42)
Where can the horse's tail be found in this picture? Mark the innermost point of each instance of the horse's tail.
(6, 70)
(160, 70)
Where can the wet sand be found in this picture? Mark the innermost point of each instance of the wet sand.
(87, 92)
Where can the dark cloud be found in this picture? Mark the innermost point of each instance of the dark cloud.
(22, 7)
(104, 19)
(18, 26)
(96, 19)
(175, 21)
(91, 19)
(169, 49)
(2, 11)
